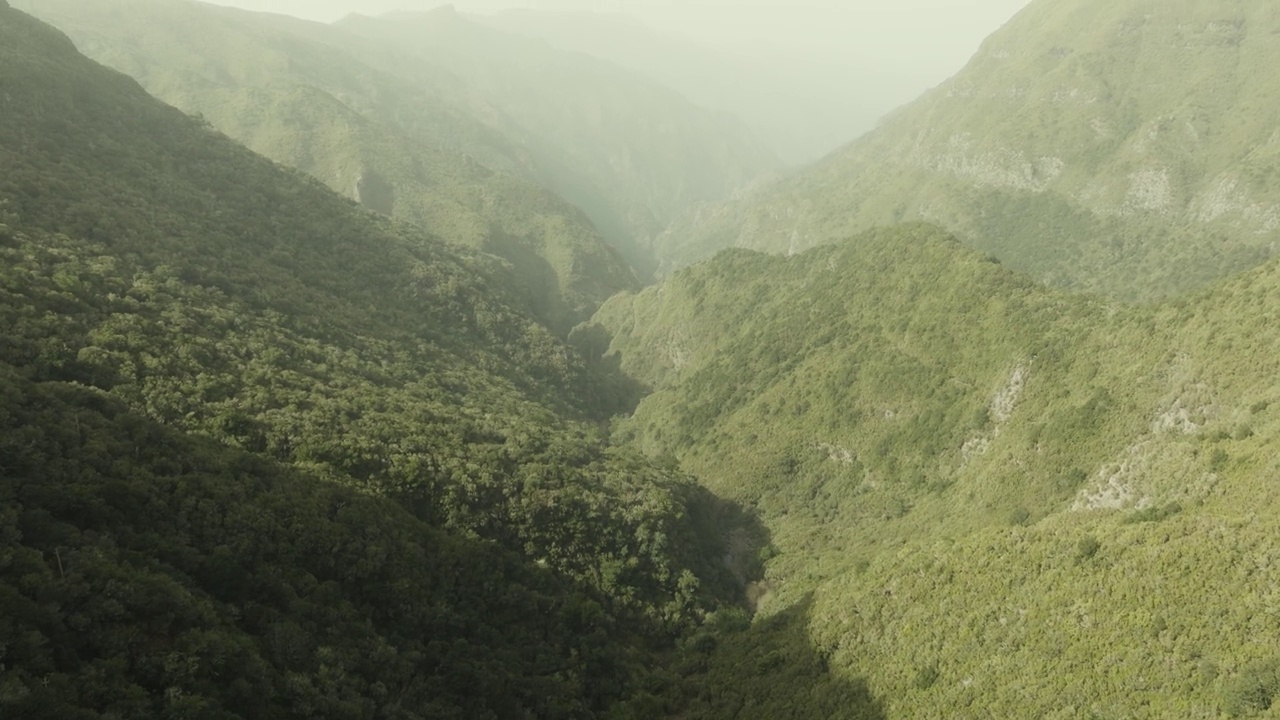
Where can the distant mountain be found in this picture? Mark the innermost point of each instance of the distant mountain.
(983, 497)
(630, 152)
(1099, 146)
(264, 453)
(799, 108)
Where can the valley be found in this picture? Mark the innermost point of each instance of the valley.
(407, 367)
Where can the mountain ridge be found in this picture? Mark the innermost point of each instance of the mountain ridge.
(784, 106)
(1098, 148)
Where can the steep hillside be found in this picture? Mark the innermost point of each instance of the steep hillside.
(631, 153)
(391, 144)
(983, 497)
(1126, 147)
(264, 453)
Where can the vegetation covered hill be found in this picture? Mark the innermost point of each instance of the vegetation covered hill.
(1116, 147)
(983, 497)
(264, 453)
(392, 144)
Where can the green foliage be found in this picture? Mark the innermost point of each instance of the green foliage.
(1155, 513)
(1019, 516)
(1218, 459)
(798, 394)
(764, 671)
(927, 677)
(1087, 548)
(148, 574)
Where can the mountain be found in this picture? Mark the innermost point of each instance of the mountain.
(391, 144)
(983, 497)
(1098, 146)
(265, 453)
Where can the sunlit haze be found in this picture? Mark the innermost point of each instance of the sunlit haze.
(841, 64)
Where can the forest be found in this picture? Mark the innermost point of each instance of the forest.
(349, 371)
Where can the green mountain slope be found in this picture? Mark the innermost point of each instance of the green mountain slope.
(1101, 146)
(268, 454)
(374, 137)
(986, 498)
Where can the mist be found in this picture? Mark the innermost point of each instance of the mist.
(806, 78)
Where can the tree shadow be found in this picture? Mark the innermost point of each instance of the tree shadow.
(619, 393)
(732, 667)
(769, 670)
(537, 283)
(733, 544)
